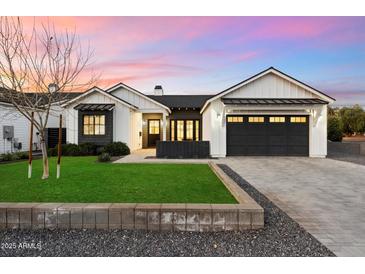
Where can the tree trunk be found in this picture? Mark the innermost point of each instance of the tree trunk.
(45, 159)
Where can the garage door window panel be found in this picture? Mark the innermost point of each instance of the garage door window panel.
(256, 119)
(277, 119)
(235, 119)
(298, 119)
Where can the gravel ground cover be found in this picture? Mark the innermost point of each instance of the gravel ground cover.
(281, 236)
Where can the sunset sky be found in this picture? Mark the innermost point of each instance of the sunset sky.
(204, 55)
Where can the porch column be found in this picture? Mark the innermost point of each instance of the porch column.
(163, 127)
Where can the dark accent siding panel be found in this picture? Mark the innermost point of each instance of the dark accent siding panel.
(185, 114)
(52, 137)
(100, 140)
(183, 149)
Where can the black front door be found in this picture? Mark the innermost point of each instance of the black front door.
(153, 132)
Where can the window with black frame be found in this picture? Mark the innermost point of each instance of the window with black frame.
(184, 130)
(94, 124)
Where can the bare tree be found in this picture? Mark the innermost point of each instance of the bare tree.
(38, 69)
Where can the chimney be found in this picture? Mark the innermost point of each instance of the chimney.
(158, 90)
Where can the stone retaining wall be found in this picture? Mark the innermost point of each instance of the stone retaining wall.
(160, 217)
(247, 214)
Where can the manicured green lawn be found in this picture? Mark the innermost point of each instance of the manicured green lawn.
(83, 179)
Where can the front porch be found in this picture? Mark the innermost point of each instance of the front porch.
(154, 128)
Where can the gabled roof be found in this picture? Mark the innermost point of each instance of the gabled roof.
(261, 74)
(181, 101)
(97, 89)
(115, 87)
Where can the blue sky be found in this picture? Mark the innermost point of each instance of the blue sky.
(200, 55)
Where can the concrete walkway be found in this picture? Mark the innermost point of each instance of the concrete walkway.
(139, 156)
(325, 196)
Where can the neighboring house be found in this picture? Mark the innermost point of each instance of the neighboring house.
(15, 128)
(270, 113)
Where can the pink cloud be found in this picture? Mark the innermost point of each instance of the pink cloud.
(140, 78)
(139, 65)
(293, 27)
(144, 49)
(82, 25)
(317, 30)
(247, 55)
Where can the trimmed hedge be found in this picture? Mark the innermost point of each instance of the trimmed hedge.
(90, 149)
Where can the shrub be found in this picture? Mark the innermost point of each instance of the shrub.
(117, 149)
(7, 157)
(70, 150)
(104, 157)
(87, 149)
(22, 155)
(334, 133)
(52, 151)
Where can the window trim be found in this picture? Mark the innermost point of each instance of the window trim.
(93, 124)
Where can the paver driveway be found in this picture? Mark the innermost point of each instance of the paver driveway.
(325, 196)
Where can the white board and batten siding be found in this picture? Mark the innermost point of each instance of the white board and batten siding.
(135, 130)
(270, 86)
(9, 116)
(267, 86)
(214, 130)
(144, 105)
(318, 132)
(138, 100)
(121, 118)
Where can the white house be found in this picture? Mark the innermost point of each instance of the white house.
(269, 113)
(15, 128)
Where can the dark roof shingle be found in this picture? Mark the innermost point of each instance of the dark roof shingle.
(37, 97)
(181, 101)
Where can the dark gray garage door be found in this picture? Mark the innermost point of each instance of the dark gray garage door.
(275, 135)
